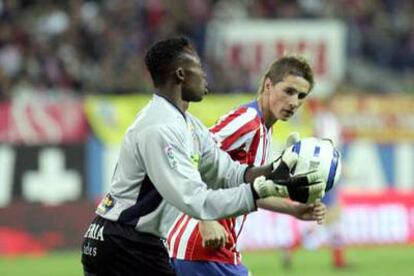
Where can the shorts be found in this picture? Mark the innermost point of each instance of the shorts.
(203, 268)
(110, 249)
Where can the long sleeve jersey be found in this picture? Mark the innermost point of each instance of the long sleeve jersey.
(167, 163)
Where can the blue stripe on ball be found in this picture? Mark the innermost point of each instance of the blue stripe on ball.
(316, 151)
(332, 171)
(296, 147)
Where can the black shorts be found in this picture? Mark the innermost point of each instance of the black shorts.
(110, 248)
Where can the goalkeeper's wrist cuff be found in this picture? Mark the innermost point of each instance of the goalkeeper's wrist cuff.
(255, 195)
(245, 172)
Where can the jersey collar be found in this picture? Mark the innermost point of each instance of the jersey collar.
(255, 105)
(168, 101)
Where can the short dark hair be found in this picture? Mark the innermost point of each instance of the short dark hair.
(288, 65)
(161, 58)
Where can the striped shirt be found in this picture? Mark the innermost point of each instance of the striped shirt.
(243, 134)
(165, 161)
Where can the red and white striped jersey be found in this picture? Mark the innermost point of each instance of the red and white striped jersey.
(243, 134)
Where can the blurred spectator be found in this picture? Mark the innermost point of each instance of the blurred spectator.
(97, 46)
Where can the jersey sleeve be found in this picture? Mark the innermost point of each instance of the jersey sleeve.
(217, 167)
(236, 130)
(168, 164)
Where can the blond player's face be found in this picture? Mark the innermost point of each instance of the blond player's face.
(286, 96)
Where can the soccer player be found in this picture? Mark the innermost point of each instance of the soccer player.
(210, 247)
(328, 126)
(167, 159)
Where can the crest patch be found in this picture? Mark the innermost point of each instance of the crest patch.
(106, 204)
(169, 151)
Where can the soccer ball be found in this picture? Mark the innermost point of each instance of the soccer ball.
(318, 154)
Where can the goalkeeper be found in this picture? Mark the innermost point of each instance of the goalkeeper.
(166, 161)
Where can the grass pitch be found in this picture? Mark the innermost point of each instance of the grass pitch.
(378, 261)
(385, 260)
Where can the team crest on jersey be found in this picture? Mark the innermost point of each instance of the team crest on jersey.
(106, 204)
(170, 156)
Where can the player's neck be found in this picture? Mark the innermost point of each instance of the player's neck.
(268, 118)
(173, 95)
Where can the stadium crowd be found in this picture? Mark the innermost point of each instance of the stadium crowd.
(78, 47)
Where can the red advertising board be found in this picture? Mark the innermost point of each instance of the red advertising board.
(385, 217)
(42, 121)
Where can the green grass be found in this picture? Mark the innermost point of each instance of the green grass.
(385, 260)
(378, 261)
(54, 264)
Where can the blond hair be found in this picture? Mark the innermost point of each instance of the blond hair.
(285, 66)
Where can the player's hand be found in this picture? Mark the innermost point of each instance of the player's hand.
(213, 234)
(292, 139)
(307, 187)
(312, 211)
(284, 164)
(304, 188)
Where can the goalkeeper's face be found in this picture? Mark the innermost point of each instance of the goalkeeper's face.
(194, 84)
(286, 96)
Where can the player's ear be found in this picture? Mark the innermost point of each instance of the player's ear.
(267, 84)
(180, 74)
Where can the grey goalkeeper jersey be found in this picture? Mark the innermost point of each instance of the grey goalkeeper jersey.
(169, 159)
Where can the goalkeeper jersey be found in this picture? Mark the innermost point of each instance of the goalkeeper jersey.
(243, 134)
(165, 161)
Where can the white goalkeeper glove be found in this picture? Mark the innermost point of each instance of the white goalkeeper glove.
(292, 139)
(306, 188)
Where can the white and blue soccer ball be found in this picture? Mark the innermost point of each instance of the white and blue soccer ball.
(318, 154)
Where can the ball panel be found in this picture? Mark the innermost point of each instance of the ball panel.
(332, 170)
(318, 154)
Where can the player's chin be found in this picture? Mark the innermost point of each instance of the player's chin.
(284, 118)
(199, 98)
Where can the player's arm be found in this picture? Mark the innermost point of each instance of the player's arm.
(167, 161)
(270, 180)
(217, 164)
(314, 211)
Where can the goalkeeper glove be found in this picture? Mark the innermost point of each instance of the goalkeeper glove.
(292, 139)
(281, 169)
(306, 188)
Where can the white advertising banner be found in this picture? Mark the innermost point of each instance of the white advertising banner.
(251, 45)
